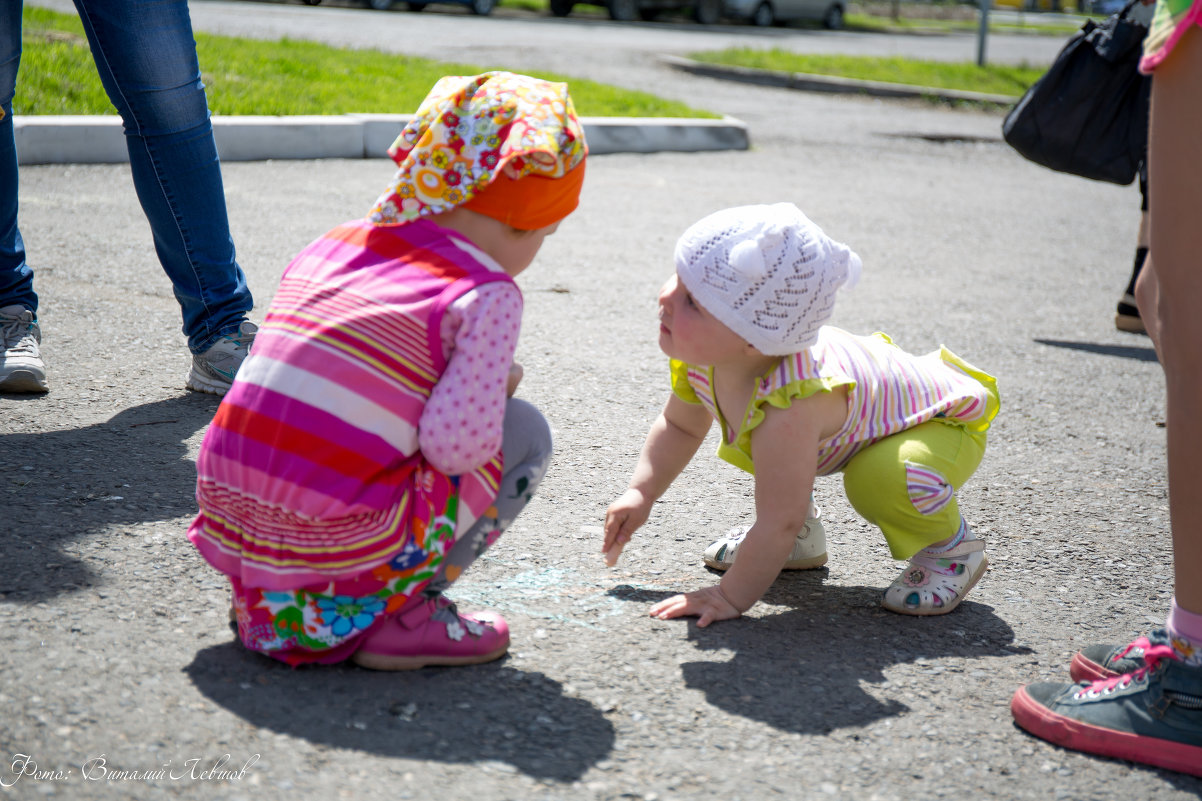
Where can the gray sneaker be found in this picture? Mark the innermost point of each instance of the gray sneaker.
(213, 371)
(21, 368)
(1152, 715)
(1106, 661)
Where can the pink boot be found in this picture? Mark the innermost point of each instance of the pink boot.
(430, 631)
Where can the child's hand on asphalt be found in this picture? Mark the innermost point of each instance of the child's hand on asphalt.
(708, 604)
(622, 519)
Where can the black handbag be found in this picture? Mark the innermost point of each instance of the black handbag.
(1088, 115)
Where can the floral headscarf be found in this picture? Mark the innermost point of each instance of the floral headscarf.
(467, 130)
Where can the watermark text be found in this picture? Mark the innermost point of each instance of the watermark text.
(99, 768)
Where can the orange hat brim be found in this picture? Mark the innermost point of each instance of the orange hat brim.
(532, 201)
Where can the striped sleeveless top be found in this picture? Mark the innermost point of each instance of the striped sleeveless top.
(888, 391)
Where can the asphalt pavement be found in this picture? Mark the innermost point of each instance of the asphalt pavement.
(121, 679)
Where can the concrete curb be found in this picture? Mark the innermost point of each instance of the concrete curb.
(99, 139)
(828, 83)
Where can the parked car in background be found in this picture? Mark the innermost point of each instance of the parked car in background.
(777, 12)
(1034, 5)
(707, 12)
(481, 7)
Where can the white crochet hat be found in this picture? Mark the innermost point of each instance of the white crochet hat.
(767, 273)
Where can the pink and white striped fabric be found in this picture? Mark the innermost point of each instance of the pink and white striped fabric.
(311, 470)
(928, 490)
(889, 390)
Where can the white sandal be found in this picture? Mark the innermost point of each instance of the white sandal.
(809, 549)
(936, 586)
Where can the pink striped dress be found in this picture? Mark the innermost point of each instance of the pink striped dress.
(888, 391)
(311, 471)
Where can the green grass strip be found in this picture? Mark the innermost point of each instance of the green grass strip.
(247, 76)
(996, 79)
(1032, 26)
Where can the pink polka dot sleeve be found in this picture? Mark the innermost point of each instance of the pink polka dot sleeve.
(461, 427)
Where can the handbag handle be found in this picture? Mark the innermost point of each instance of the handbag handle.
(1125, 12)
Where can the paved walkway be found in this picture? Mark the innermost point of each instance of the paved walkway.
(121, 676)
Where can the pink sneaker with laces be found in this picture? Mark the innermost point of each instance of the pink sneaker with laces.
(430, 631)
(1152, 715)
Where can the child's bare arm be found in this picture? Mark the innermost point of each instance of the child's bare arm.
(785, 447)
(671, 443)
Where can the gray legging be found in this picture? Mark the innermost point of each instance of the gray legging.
(526, 449)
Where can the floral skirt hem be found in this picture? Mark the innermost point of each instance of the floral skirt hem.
(323, 623)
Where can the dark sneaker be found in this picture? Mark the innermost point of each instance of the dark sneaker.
(21, 367)
(1152, 715)
(213, 371)
(1126, 316)
(1106, 661)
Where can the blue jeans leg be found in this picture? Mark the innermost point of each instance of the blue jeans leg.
(146, 57)
(16, 279)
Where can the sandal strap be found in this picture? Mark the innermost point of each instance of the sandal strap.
(963, 549)
(736, 535)
(415, 611)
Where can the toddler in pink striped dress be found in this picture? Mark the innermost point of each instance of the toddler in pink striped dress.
(370, 448)
(743, 322)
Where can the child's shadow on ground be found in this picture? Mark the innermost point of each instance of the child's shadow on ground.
(491, 712)
(804, 670)
(64, 485)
